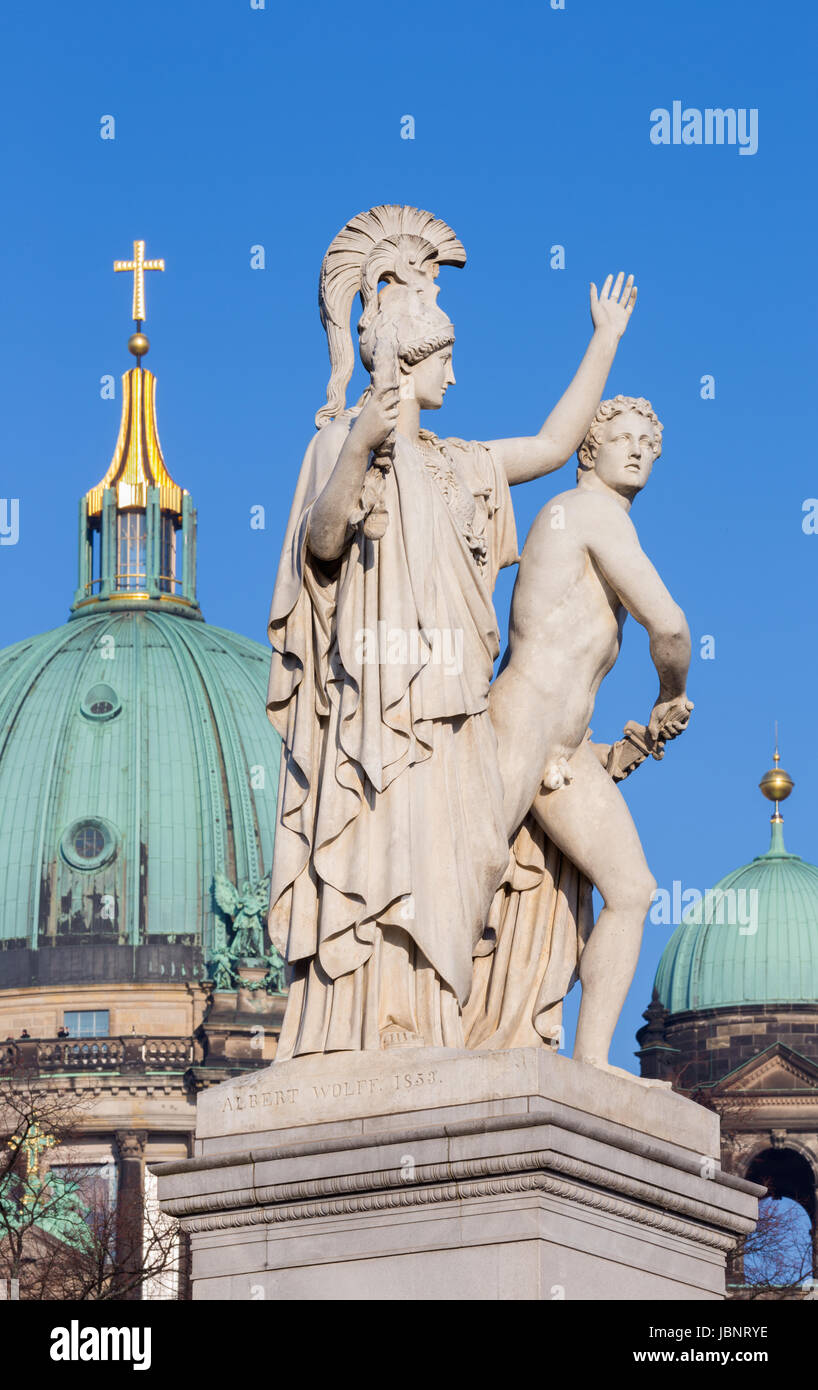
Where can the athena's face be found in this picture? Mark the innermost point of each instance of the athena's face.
(626, 454)
(429, 379)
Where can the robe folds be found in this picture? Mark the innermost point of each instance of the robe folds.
(390, 840)
(539, 922)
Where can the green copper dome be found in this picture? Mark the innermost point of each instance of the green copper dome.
(136, 761)
(753, 940)
(138, 769)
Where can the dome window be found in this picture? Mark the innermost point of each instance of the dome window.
(131, 538)
(101, 702)
(89, 843)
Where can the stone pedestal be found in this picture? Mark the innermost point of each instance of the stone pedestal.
(240, 1026)
(420, 1173)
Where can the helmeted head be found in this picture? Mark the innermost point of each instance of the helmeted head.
(391, 256)
(622, 444)
(423, 336)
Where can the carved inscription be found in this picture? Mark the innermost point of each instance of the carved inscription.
(367, 1086)
(256, 1099)
(331, 1090)
(410, 1080)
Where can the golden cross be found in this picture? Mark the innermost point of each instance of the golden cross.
(139, 265)
(32, 1144)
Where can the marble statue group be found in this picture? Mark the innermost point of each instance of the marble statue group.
(440, 830)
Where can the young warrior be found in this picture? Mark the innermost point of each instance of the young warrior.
(391, 837)
(582, 571)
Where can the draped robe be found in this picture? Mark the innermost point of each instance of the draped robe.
(390, 840)
(538, 925)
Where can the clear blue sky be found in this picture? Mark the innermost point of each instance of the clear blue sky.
(236, 127)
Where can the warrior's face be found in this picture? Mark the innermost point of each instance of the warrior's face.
(429, 379)
(626, 452)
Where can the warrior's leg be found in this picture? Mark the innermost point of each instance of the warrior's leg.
(515, 705)
(589, 821)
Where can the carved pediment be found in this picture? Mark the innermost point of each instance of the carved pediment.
(778, 1068)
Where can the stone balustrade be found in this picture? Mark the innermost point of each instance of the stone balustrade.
(135, 1053)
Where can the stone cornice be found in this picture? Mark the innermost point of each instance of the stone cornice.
(553, 1113)
(570, 1179)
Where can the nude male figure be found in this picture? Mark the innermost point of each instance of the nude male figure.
(582, 571)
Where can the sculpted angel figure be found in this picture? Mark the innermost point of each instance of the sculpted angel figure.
(581, 572)
(247, 907)
(391, 835)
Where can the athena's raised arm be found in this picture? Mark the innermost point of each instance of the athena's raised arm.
(566, 426)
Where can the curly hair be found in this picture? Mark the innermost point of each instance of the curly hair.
(589, 448)
(416, 352)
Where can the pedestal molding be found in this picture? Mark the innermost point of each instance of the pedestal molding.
(497, 1187)
(574, 1121)
(446, 1182)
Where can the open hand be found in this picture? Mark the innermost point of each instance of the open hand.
(612, 308)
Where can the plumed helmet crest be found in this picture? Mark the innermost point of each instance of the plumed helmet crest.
(404, 246)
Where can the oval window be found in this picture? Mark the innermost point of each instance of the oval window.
(89, 843)
(101, 702)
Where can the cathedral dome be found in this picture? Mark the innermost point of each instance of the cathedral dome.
(138, 769)
(753, 940)
(138, 788)
(136, 762)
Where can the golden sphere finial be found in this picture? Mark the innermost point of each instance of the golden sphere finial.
(138, 344)
(776, 784)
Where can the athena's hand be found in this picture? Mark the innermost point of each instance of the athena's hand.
(379, 415)
(612, 308)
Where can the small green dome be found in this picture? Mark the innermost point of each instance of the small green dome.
(753, 939)
(136, 762)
